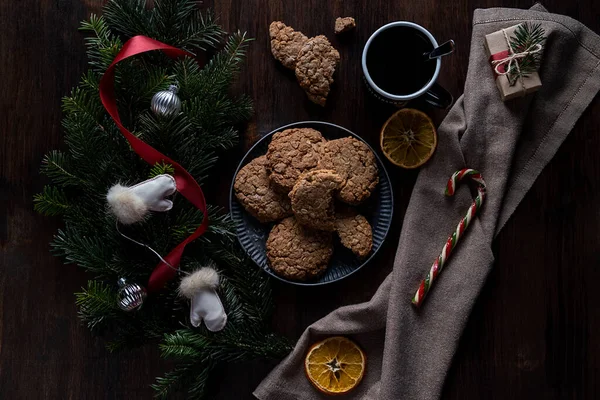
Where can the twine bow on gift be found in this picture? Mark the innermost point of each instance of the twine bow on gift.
(503, 66)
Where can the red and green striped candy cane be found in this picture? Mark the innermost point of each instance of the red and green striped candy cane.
(452, 241)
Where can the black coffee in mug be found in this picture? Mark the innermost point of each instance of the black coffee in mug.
(395, 60)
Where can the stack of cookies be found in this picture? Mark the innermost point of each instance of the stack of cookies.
(308, 186)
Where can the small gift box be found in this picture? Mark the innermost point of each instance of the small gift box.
(514, 55)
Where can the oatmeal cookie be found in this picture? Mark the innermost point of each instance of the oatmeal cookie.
(344, 24)
(291, 153)
(253, 190)
(313, 197)
(354, 231)
(286, 43)
(298, 253)
(355, 163)
(315, 66)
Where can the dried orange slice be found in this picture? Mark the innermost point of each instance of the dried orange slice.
(335, 365)
(408, 138)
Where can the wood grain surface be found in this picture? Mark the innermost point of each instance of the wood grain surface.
(532, 334)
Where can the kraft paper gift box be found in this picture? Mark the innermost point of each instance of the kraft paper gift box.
(497, 48)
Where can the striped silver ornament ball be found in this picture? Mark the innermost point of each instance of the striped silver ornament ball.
(131, 296)
(166, 103)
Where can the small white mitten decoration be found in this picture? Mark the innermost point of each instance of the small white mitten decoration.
(206, 306)
(132, 204)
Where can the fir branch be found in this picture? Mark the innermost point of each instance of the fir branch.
(172, 380)
(211, 111)
(188, 221)
(97, 305)
(118, 344)
(83, 137)
(97, 156)
(258, 306)
(222, 225)
(176, 22)
(195, 375)
(102, 46)
(87, 215)
(160, 169)
(52, 201)
(187, 74)
(180, 23)
(176, 138)
(133, 329)
(157, 79)
(171, 135)
(90, 81)
(129, 17)
(218, 74)
(229, 138)
(202, 32)
(216, 116)
(242, 109)
(525, 38)
(86, 102)
(181, 348)
(55, 166)
(91, 253)
(169, 15)
(235, 51)
(227, 346)
(198, 385)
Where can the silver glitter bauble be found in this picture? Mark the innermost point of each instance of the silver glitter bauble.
(166, 103)
(131, 296)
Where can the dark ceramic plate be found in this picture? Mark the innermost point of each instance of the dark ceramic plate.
(377, 209)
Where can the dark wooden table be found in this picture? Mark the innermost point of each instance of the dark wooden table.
(533, 332)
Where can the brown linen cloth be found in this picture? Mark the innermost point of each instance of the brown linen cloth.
(410, 351)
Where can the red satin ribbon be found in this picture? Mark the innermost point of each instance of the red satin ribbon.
(186, 184)
(499, 56)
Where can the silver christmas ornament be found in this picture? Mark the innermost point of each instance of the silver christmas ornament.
(131, 296)
(166, 103)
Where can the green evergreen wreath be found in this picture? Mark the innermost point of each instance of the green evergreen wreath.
(97, 156)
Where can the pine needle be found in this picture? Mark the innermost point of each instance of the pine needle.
(52, 201)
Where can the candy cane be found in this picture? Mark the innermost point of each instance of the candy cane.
(439, 263)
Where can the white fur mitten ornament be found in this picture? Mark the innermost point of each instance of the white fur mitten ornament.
(206, 306)
(132, 204)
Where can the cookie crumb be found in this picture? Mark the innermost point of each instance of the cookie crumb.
(344, 24)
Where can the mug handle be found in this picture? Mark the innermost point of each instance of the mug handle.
(437, 96)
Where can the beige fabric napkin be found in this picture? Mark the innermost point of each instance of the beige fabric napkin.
(409, 351)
